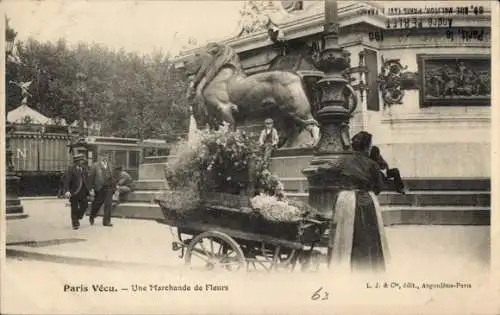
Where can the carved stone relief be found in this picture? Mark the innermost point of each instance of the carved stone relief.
(455, 80)
(393, 81)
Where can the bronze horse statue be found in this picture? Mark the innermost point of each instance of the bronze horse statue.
(224, 93)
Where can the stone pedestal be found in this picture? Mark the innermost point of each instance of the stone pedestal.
(14, 209)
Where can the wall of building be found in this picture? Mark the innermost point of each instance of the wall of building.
(432, 142)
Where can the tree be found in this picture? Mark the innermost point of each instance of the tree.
(13, 94)
(131, 95)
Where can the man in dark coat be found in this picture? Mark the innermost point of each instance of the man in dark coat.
(389, 175)
(102, 186)
(76, 189)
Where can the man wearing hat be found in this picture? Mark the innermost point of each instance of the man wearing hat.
(76, 188)
(268, 138)
(102, 186)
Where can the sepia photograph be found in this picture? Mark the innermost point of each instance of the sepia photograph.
(248, 157)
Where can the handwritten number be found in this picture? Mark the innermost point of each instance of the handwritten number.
(316, 295)
(326, 296)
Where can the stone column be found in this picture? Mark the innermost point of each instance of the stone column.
(334, 114)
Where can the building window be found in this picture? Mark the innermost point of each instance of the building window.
(133, 159)
(121, 159)
(372, 96)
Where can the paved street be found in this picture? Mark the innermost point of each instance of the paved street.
(453, 249)
(138, 252)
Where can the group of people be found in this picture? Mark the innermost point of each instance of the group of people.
(269, 139)
(358, 242)
(104, 184)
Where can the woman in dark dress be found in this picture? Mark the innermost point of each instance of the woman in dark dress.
(359, 243)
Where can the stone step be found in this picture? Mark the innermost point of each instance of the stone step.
(143, 195)
(392, 215)
(150, 184)
(13, 202)
(437, 198)
(413, 198)
(155, 172)
(425, 198)
(14, 209)
(300, 184)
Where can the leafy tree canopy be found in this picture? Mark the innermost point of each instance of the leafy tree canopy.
(129, 94)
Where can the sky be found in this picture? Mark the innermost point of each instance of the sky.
(141, 26)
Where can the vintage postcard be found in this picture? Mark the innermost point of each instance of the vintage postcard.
(249, 157)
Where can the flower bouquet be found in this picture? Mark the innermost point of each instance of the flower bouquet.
(222, 179)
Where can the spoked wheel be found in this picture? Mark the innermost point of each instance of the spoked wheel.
(214, 250)
(272, 258)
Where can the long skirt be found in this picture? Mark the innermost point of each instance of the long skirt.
(359, 241)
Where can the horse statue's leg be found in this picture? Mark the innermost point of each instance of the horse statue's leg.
(226, 111)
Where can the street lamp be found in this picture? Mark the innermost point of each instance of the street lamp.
(81, 89)
(14, 209)
(80, 145)
(334, 115)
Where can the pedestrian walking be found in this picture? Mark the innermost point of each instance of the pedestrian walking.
(102, 186)
(76, 187)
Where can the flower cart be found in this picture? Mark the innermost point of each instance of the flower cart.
(229, 211)
(225, 233)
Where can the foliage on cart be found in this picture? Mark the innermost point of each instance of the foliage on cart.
(221, 179)
(224, 161)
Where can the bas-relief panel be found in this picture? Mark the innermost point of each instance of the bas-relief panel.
(411, 103)
(455, 80)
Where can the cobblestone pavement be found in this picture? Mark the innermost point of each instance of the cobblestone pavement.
(88, 256)
(455, 249)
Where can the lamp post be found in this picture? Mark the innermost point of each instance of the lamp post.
(14, 208)
(80, 145)
(333, 115)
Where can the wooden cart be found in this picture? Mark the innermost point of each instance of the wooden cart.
(228, 236)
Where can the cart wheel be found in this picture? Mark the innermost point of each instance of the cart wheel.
(272, 258)
(214, 250)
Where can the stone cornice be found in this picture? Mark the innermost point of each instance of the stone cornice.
(299, 27)
(441, 118)
(435, 45)
(311, 23)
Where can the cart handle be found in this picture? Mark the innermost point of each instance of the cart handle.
(315, 221)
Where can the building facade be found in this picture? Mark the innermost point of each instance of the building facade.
(422, 74)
